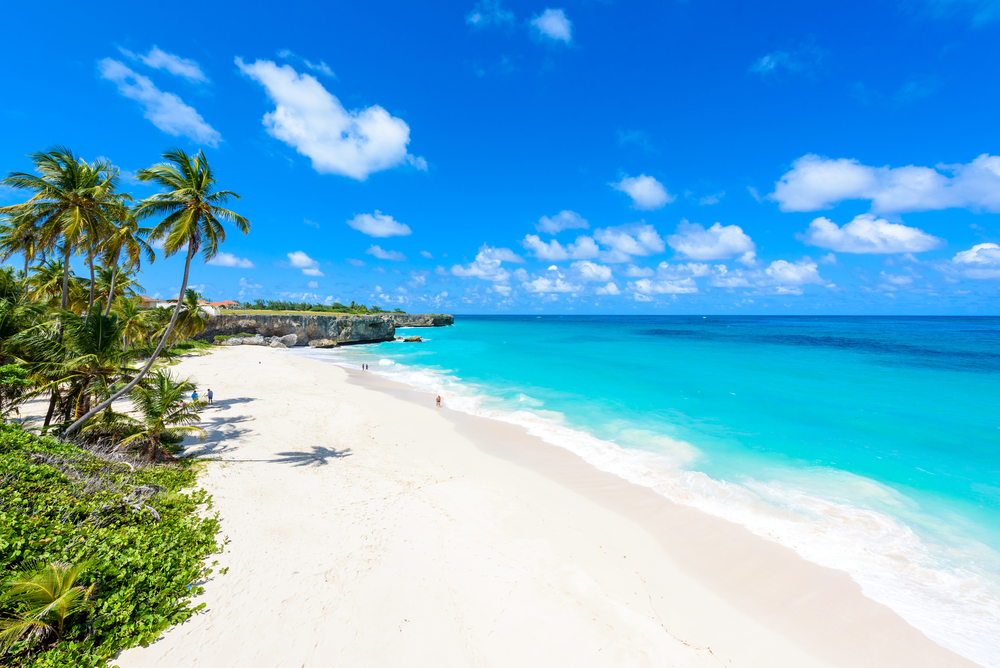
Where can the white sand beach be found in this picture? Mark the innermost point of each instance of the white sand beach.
(366, 528)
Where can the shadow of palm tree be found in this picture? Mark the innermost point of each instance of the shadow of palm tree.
(318, 457)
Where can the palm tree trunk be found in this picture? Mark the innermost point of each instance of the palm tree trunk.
(52, 406)
(135, 381)
(65, 286)
(111, 288)
(90, 304)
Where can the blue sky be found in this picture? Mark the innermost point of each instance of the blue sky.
(587, 157)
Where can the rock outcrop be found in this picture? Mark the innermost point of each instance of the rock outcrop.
(420, 319)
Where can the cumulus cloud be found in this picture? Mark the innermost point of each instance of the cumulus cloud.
(981, 261)
(165, 110)
(709, 200)
(681, 270)
(546, 285)
(313, 284)
(224, 259)
(564, 220)
(378, 225)
(583, 248)
(868, 234)
(311, 120)
(320, 67)
(309, 266)
(816, 183)
(589, 271)
(799, 60)
(780, 277)
(609, 289)
(646, 286)
(488, 264)
(159, 59)
(633, 271)
(488, 13)
(718, 242)
(394, 256)
(628, 240)
(248, 287)
(427, 254)
(802, 272)
(355, 262)
(552, 23)
(647, 193)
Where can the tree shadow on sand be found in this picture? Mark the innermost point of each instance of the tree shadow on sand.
(319, 456)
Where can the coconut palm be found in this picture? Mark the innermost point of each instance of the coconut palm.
(45, 598)
(116, 283)
(160, 402)
(192, 209)
(136, 323)
(125, 236)
(18, 235)
(71, 200)
(193, 318)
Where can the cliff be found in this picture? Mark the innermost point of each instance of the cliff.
(341, 329)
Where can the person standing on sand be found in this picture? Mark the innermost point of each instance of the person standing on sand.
(194, 396)
(439, 401)
(210, 395)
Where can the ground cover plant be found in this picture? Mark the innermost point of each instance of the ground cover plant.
(133, 530)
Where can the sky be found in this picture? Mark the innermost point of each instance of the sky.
(523, 157)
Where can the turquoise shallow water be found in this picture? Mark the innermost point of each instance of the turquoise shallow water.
(867, 444)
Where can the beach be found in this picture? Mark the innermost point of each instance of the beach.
(364, 527)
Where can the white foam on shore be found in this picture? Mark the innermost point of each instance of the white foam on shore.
(955, 606)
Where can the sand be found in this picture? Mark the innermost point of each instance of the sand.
(364, 527)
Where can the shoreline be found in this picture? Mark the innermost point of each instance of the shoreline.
(680, 584)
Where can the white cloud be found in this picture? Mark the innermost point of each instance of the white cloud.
(682, 286)
(564, 220)
(802, 272)
(377, 251)
(829, 258)
(588, 271)
(161, 60)
(981, 261)
(716, 243)
(378, 225)
(868, 234)
(309, 266)
(797, 61)
(634, 271)
(355, 262)
(609, 289)
(427, 254)
(248, 287)
(583, 249)
(816, 183)
(165, 110)
(708, 200)
(552, 23)
(320, 67)
(697, 269)
(224, 259)
(548, 285)
(627, 240)
(313, 284)
(311, 120)
(488, 12)
(487, 264)
(647, 193)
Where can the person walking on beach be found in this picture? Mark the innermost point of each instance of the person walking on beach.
(210, 395)
(439, 401)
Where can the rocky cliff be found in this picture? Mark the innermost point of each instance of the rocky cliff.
(420, 320)
(340, 329)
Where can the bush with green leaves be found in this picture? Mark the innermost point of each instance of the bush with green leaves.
(138, 531)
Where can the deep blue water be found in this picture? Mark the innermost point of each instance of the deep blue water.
(870, 444)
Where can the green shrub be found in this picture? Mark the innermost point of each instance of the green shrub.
(59, 503)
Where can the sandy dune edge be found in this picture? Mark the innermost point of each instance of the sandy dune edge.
(368, 529)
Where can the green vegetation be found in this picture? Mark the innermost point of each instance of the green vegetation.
(277, 307)
(133, 534)
(100, 548)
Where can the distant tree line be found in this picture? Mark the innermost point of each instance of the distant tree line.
(336, 307)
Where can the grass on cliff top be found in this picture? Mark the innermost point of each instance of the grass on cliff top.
(237, 311)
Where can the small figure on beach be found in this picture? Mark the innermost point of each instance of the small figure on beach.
(439, 401)
(210, 395)
(194, 396)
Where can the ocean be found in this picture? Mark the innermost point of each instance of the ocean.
(867, 444)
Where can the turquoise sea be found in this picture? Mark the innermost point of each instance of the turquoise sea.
(868, 444)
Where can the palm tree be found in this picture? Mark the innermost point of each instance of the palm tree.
(193, 319)
(125, 237)
(71, 201)
(46, 597)
(161, 404)
(136, 322)
(192, 209)
(117, 283)
(18, 235)
(44, 284)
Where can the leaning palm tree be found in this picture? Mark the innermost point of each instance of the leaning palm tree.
(137, 323)
(70, 202)
(45, 597)
(160, 403)
(115, 283)
(192, 209)
(19, 235)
